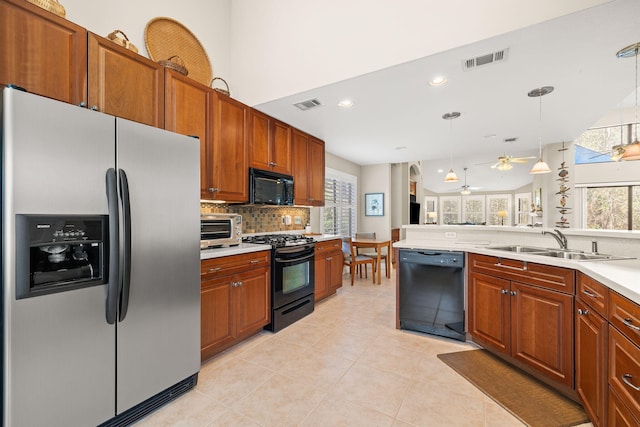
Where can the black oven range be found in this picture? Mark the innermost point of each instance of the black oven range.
(292, 277)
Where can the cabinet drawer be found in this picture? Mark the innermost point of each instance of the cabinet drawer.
(593, 293)
(625, 315)
(619, 415)
(233, 264)
(624, 370)
(328, 246)
(547, 276)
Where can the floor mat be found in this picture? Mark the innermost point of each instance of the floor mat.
(531, 401)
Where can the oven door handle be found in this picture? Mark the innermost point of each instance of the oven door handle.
(288, 261)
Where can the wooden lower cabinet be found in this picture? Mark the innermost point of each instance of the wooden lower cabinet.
(328, 268)
(235, 300)
(618, 414)
(529, 324)
(592, 333)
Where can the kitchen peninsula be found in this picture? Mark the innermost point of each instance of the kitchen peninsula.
(572, 324)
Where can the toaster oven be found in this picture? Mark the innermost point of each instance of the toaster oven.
(220, 230)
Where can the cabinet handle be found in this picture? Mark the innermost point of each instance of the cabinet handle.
(504, 291)
(82, 104)
(628, 322)
(234, 284)
(583, 312)
(213, 270)
(240, 283)
(524, 266)
(513, 293)
(273, 164)
(589, 294)
(329, 258)
(95, 108)
(626, 378)
(254, 261)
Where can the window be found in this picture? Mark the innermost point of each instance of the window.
(340, 203)
(614, 207)
(450, 209)
(430, 209)
(523, 208)
(473, 209)
(596, 145)
(497, 205)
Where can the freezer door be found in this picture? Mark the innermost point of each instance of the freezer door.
(158, 341)
(59, 352)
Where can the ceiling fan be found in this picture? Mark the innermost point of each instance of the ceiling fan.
(466, 189)
(504, 162)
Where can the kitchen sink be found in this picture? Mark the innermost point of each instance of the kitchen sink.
(558, 253)
(518, 248)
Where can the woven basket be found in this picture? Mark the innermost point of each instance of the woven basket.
(219, 89)
(51, 5)
(165, 37)
(175, 63)
(122, 41)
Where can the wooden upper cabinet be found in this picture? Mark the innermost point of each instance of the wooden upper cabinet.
(230, 150)
(188, 110)
(42, 52)
(269, 143)
(308, 169)
(316, 172)
(123, 83)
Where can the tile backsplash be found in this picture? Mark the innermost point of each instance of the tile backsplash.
(260, 219)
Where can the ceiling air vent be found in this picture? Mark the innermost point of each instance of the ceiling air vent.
(489, 58)
(308, 105)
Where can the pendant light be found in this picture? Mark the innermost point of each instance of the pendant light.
(540, 166)
(632, 150)
(451, 175)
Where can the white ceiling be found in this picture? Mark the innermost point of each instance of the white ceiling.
(395, 107)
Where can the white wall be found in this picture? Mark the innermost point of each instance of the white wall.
(209, 21)
(283, 47)
(375, 179)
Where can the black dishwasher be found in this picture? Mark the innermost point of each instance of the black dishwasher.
(432, 292)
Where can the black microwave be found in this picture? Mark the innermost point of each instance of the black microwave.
(269, 188)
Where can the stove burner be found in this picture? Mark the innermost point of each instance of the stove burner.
(278, 240)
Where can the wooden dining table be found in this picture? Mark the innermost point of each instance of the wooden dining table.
(378, 245)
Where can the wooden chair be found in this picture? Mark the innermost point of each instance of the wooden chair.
(354, 260)
(383, 256)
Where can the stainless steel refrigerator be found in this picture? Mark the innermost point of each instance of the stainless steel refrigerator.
(100, 261)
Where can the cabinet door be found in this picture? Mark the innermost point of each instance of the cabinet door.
(299, 148)
(230, 149)
(618, 414)
(335, 271)
(321, 283)
(42, 52)
(259, 144)
(252, 300)
(489, 311)
(124, 84)
(188, 108)
(316, 172)
(591, 362)
(542, 331)
(217, 325)
(281, 147)
(624, 370)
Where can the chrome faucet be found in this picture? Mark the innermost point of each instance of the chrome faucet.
(560, 238)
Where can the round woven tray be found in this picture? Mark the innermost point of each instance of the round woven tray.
(165, 37)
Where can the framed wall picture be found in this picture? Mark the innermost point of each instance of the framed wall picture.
(374, 204)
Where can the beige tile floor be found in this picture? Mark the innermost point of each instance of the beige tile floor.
(343, 365)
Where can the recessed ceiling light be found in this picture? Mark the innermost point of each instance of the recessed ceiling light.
(440, 170)
(437, 81)
(346, 103)
(402, 147)
(493, 135)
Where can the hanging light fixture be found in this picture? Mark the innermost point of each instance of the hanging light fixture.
(630, 151)
(465, 188)
(540, 166)
(451, 175)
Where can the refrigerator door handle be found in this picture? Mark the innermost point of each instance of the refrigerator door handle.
(114, 258)
(126, 247)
